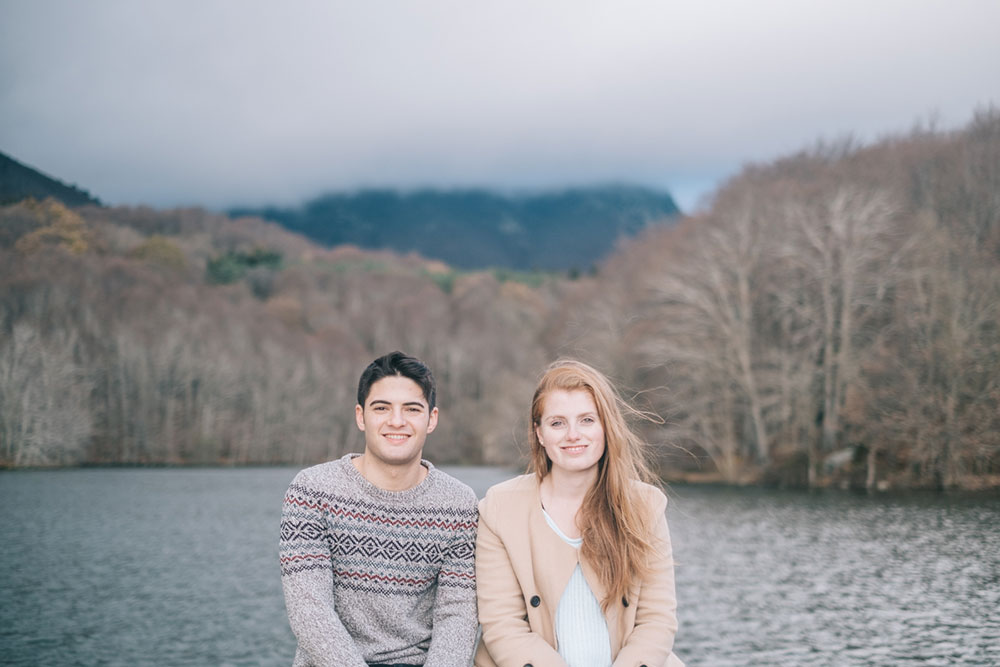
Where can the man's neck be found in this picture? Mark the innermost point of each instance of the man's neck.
(390, 477)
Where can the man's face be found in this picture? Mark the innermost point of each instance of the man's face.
(396, 421)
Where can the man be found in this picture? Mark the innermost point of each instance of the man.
(377, 549)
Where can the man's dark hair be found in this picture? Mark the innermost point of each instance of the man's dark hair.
(397, 363)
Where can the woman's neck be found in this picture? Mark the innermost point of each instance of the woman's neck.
(562, 497)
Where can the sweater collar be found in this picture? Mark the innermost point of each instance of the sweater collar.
(370, 489)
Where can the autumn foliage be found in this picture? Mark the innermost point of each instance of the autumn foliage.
(833, 317)
(830, 318)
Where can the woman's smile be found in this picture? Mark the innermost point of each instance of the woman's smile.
(570, 430)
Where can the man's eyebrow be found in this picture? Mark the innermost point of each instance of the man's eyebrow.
(382, 401)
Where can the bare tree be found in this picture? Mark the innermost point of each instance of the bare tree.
(707, 311)
(843, 243)
(44, 410)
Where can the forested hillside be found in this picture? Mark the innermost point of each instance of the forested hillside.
(569, 230)
(136, 336)
(835, 316)
(18, 181)
(832, 319)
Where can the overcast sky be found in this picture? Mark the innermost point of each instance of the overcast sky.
(217, 103)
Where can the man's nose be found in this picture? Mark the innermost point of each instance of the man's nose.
(396, 418)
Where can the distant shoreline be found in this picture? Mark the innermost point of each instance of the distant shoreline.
(989, 487)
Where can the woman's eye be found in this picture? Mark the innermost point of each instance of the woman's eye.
(555, 424)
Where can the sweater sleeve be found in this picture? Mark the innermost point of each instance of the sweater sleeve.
(650, 641)
(307, 580)
(453, 635)
(502, 611)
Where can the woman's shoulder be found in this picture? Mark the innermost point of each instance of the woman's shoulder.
(517, 485)
(651, 496)
(509, 494)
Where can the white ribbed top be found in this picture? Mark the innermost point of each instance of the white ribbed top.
(581, 630)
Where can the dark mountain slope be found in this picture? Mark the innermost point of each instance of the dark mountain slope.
(18, 181)
(565, 230)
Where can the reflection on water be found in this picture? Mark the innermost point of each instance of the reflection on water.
(771, 578)
(179, 567)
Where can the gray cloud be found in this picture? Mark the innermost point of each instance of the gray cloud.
(223, 102)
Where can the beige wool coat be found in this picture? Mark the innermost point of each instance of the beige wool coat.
(522, 568)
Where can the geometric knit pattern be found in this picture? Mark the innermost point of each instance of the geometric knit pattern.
(378, 576)
(364, 539)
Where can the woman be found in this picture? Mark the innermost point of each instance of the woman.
(573, 562)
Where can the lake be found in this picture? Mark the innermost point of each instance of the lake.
(180, 567)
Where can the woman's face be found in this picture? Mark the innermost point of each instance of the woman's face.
(570, 430)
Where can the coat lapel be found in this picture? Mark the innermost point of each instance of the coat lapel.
(553, 559)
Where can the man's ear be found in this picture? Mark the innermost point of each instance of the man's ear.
(359, 416)
(432, 422)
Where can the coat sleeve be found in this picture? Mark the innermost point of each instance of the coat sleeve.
(652, 638)
(507, 636)
(307, 580)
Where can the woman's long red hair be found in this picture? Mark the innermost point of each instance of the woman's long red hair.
(611, 517)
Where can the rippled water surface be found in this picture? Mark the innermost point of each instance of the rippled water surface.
(179, 567)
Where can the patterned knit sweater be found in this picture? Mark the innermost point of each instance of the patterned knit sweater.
(376, 576)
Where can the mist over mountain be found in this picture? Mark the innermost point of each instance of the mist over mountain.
(560, 230)
(570, 229)
(19, 181)
(829, 320)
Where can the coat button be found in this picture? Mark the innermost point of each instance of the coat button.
(625, 603)
(535, 600)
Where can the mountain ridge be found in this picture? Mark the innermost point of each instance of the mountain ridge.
(19, 181)
(570, 229)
